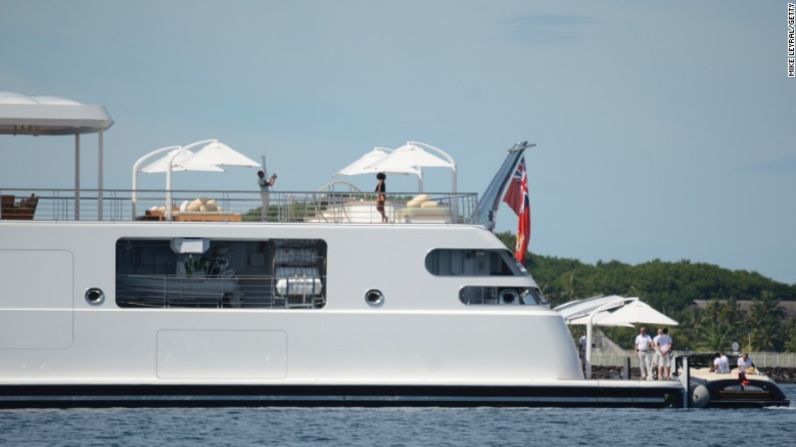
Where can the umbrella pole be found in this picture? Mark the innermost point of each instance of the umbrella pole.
(587, 357)
(169, 173)
(137, 168)
(77, 176)
(100, 171)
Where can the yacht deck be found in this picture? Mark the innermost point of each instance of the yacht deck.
(234, 206)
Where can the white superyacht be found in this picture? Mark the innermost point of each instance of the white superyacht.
(207, 304)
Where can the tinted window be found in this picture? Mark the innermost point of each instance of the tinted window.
(458, 262)
(500, 295)
(211, 273)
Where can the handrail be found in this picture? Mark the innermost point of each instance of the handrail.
(335, 182)
(354, 207)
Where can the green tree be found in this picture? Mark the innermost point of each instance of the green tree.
(790, 336)
(716, 326)
(764, 323)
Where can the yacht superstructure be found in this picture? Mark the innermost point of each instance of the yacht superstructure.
(165, 312)
(272, 298)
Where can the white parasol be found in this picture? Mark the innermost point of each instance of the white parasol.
(219, 154)
(411, 156)
(367, 164)
(180, 158)
(636, 312)
(212, 155)
(599, 320)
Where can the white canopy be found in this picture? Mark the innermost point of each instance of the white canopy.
(367, 163)
(50, 115)
(583, 307)
(181, 157)
(410, 158)
(636, 312)
(599, 320)
(219, 154)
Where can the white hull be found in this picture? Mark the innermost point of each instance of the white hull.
(422, 334)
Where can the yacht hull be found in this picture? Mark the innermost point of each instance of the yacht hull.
(577, 394)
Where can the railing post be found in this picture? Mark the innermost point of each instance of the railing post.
(77, 176)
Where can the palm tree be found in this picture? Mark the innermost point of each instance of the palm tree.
(765, 323)
(716, 326)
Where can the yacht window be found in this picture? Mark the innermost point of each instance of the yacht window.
(458, 262)
(501, 295)
(268, 273)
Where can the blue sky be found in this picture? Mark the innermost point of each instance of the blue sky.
(664, 130)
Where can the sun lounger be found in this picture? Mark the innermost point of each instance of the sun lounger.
(207, 216)
(24, 210)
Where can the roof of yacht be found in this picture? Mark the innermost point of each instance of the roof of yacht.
(49, 115)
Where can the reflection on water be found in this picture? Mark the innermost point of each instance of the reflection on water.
(399, 426)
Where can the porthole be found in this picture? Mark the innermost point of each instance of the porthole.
(95, 296)
(374, 297)
(508, 296)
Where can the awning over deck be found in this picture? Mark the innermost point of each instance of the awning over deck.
(49, 115)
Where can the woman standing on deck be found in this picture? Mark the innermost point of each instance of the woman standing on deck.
(381, 190)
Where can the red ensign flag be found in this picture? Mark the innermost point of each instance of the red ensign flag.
(517, 198)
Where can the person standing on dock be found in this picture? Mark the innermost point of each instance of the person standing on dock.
(643, 346)
(265, 194)
(663, 353)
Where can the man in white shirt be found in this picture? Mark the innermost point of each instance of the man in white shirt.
(724, 364)
(744, 363)
(721, 365)
(582, 348)
(643, 350)
(663, 353)
(716, 364)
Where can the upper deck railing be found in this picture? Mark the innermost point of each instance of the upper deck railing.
(236, 206)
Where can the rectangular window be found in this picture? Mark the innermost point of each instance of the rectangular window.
(500, 295)
(468, 262)
(221, 273)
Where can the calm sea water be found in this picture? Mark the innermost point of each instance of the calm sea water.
(399, 426)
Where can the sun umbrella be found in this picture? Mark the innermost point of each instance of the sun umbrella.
(637, 312)
(366, 164)
(181, 159)
(416, 155)
(219, 154)
(411, 156)
(578, 308)
(599, 320)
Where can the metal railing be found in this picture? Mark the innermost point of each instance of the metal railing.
(235, 292)
(233, 206)
(761, 359)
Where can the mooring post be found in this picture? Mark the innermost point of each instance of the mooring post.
(626, 369)
(687, 382)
